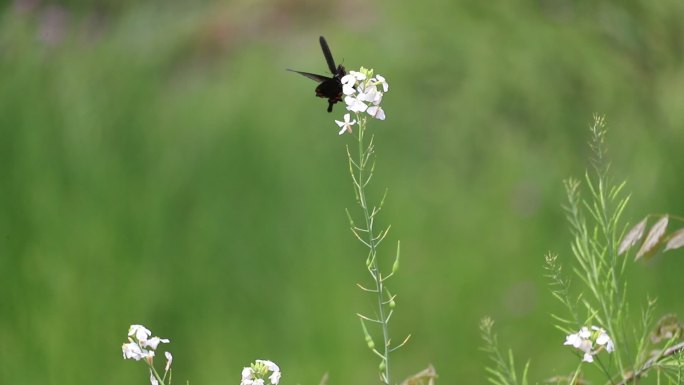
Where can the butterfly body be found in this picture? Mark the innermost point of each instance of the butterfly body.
(329, 87)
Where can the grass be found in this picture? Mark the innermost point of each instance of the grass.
(167, 171)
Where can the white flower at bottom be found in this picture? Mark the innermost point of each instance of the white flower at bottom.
(153, 379)
(345, 126)
(154, 342)
(169, 360)
(275, 377)
(247, 373)
(270, 365)
(604, 340)
(140, 332)
(259, 370)
(585, 346)
(584, 332)
(133, 351)
(573, 339)
(585, 339)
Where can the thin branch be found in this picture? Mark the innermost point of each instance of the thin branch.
(651, 362)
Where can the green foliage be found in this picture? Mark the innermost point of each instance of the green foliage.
(599, 265)
(503, 371)
(159, 165)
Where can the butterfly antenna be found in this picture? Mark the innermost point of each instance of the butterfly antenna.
(328, 56)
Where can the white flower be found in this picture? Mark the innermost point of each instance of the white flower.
(376, 112)
(141, 333)
(348, 84)
(364, 93)
(169, 359)
(573, 339)
(132, 350)
(247, 376)
(153, 379)
(603, 339)
(584, 332)
(275, 377)
(153, 342)
(585, 339)
(139, 346)
(348, 89)
(359, 76)
(258, 371)
(355, 104)
(371, 94)
(350, 81)
(270, 365)
(381, 80)
(585, 346)
(345, 126)
(247, 373)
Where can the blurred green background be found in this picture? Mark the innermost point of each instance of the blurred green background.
(158, 165)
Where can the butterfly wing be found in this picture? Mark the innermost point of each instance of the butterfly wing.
(328, 55)
(328, 87)
(314, 77)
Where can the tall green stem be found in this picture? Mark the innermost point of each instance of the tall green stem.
(363, 176)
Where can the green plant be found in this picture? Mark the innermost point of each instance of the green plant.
(600, 310)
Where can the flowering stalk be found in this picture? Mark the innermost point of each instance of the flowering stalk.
(141, 347)
(258, 372)
(585, 340)
(372, 240)
(595, 244)
(364, 93)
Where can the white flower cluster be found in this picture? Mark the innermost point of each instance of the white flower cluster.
(141, 347)
(585, 339)
(255, 374)
(363, 93)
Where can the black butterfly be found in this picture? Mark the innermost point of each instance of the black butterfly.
(330, 88)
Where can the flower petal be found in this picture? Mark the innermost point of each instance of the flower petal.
(247, 373)
(153, 379)
(376, 112)
(141, 333)
(275, 377)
